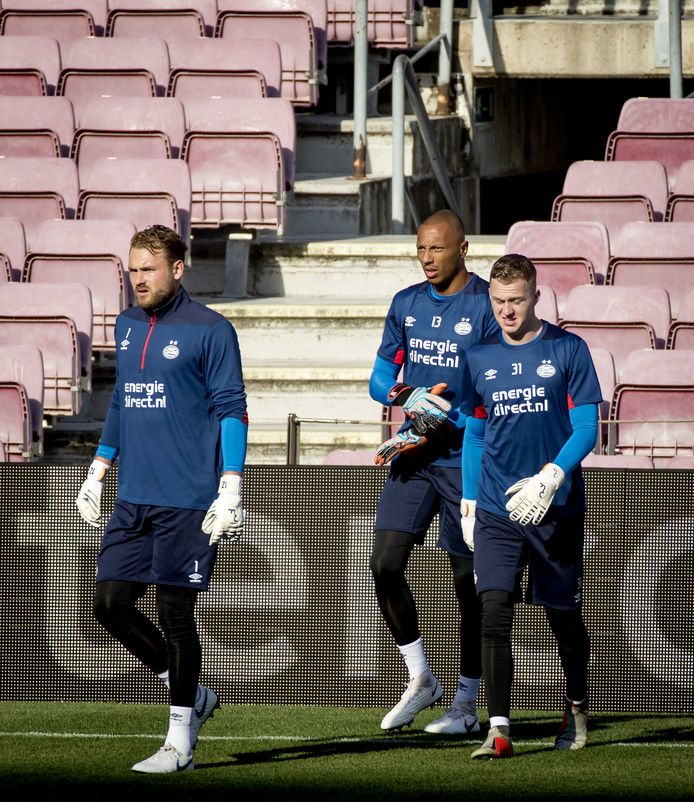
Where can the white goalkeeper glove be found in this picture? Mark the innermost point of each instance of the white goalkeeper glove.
(533, 495)
(225, 518)
(467, 521)
(88, 499)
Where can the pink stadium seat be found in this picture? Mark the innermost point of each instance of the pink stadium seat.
(628, 461)
(96, 9)
(546, 308)
(64, 26)
(36, 189)
(5, 269)
(248, 115)
(209, 67)
(294, 32)
(176, 26)
(604, 367)
(29, 65)
(614, 193)
(680, 462)
(144, 191)
(564, 254)
(681, 334)
(391, 22)
(36, 126)
(93, 252)
(655, 253)
(205, 10)
(13, 245)
(15, 422)
(24, 364)
(652, 408)
(105, 66)
(620, 319)
(344, 456)
(56, 318)
(3, 457)
(654, 129)
(680, 204)
(129, 127)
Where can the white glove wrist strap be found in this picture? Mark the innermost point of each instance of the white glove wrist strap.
(231, 484)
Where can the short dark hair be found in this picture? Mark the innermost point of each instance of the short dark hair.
(513, 266)
(161, 239)
(451, 219)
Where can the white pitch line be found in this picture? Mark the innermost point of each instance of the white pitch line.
(312, 739)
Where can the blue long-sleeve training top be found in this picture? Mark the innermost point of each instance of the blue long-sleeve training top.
(178, 375)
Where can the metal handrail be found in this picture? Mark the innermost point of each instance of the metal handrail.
(294, 422)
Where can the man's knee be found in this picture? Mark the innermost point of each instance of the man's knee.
(389, 554)
(114, 601)
(497, 615)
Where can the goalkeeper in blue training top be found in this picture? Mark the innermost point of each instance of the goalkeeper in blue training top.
(428, 329)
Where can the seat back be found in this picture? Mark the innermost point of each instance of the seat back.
(144, 191)
(97, 9)
(29, 65)
(21, 300)
(24, 364)
(13, 244)
(546, 308)
(390, 22)
(175, 26)
(680, 205)
(206, 10)
(209, 67)
(605, 369)
(345, 456)
(564, 254)
(37, 189)
(57, 338)
(655, 253)
(248, 115)
(36, 126)
(296, 37)
(628, 461)
(64, 26)
(15, 422)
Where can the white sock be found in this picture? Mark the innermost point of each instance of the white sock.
(164, 677)
(499, 721)
(466, 694)
(415, 659)
(179, 728)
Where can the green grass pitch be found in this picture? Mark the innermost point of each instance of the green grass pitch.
(55, 752)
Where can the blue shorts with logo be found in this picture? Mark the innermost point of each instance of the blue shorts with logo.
(413, 495)
(156, 546)
(553, 551)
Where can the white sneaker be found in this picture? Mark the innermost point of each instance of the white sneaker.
(454, 722)
(201, 712)
(420, 693)
(166, 760)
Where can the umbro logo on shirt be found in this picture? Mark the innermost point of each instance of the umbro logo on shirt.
(410, 321)
(490, 374)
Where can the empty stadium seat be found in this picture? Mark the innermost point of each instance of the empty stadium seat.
(24, 364)
(614, 193)
(176, 26)
(93, 252)
(680, 462)
(681, 333)
(654, 129)
(629, 461)
(29, 65)
(97, 9)
(38, 189)
(652, 410)
(13, 245)
(210, 68)
(57, 319)
(390, 22)
(564, 254)
(64, 26)
(15, 422)
(129, 127)
(36, 126)
(144, 191)
(345, 456)
(295, 34)
(3, 457)
(655, 253)
(96, 67)
(605, 369)
(620, 319)
(680, 204)
(206, 10)
(546, 308)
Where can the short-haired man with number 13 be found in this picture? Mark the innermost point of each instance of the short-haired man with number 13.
(536, 417)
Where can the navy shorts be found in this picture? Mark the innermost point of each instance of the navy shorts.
(156, 546)
(553, 551)
(412, 497)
